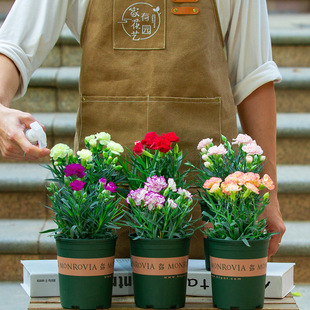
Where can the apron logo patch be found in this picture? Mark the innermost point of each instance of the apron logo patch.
(136, 23)
(141, 21)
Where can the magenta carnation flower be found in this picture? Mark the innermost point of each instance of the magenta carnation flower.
(111, 187)
(103, 181)
(75, 169)
(77, 185)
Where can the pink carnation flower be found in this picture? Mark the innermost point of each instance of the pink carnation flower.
(242, 139)
(172, 203)
(137, 196)
(182, 191)
(154, 200)
(268, 183)
(155, 183)
(252, 149)
(204, 143)
(217, 150)
(172, 185)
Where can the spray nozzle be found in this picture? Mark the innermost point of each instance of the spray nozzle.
(36, 135)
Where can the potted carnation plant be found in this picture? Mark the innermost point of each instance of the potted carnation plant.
(237, 241)
(85, 206)
(159, 215)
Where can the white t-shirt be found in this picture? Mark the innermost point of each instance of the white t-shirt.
(32, 28)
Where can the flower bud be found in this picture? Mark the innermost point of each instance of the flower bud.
(249, 159)
(204, 150)
(263, 158)
(207, 164)
(109, 161)
(118, 168)
(205, 157)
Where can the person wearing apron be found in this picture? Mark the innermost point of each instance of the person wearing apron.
(154, 65)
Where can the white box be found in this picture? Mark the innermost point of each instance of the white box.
(279, 279)
(41, 278)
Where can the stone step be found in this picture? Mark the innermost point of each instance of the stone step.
(293, 133)
(288, 6)
(56, 90)
(290, 37)
(23, 194)
(21, 239)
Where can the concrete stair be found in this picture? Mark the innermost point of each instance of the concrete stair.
(53, 99)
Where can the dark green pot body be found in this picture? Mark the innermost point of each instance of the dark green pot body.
(238, 273)
(85, 272)
(159, 272)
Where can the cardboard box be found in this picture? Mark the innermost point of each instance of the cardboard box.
(41, 278)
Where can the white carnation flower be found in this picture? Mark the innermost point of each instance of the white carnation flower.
(115, 148)
(60, 150)
(85, 154)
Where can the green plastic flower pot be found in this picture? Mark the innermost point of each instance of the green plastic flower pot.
(238, 273)
(85, 268)
(159, 272)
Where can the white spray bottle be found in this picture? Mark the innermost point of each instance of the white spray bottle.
(36, 135)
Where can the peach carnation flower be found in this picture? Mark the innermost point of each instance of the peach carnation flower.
(252, 187)
(242, 139)
(217, 150)
(235, 177)
(252, 178)
(204, 143)
(212, 184)
(267, 182)
(229, 187)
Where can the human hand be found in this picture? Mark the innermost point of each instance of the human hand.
(274, 224)
(13, 142)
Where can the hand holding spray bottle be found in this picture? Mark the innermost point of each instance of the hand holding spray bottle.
(36, 135)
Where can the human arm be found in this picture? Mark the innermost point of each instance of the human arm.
(257, 115)
(13, 143)
(26, 37)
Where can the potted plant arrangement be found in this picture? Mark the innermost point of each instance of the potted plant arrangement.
(237, 241)
(83, 194)
(159, 214)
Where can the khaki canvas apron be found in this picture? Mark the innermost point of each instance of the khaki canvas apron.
(154, 65)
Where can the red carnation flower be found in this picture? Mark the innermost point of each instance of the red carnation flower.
(163, 145)
(138, 149)
(149, 140)
(171, 136)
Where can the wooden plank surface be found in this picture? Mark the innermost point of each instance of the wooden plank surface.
(193, 303)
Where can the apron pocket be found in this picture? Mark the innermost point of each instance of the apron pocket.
(192, 119)
(128, 119)
(124, 118)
